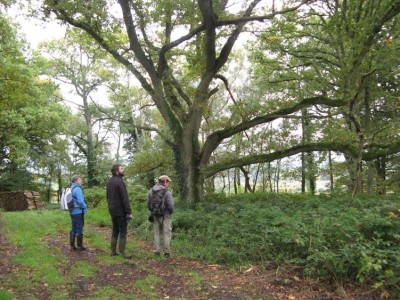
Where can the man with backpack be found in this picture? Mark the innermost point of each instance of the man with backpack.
(77, 212)
(161, 205)
(119, 209)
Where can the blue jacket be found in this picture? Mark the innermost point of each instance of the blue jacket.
(77, 195)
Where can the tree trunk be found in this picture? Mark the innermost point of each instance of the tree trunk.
(270, 178)
(229, 181)
(311, 173)
(330, 170)
(188, 174)
(235, 182)
(256, 178)
(381, 175)
(370, 178)
(247, 186)
(59, 182)
(303, 173)
(277, 174)
(303, 156)
(350, 162)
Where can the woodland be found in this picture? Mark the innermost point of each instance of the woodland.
(223, 96)
(229, 98)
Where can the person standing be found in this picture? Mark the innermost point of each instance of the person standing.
(119, 209)
(77, 214)
(161, 205)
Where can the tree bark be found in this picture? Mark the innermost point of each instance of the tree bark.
(330, 171)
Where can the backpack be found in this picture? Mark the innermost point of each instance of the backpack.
(67, 202)
(159, 202)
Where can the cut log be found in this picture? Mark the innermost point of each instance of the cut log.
(20, 200)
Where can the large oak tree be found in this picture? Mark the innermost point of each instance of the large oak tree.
(178, 51)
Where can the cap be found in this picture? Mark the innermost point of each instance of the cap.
(164, 178)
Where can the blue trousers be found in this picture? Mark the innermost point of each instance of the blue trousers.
(77, 222)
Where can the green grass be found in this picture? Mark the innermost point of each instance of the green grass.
(39, 264)
(148, 286)
(28, 231)
(83, 269)
(5, 295)
(109, 293)
(196, 278)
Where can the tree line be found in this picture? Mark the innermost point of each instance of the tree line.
(211, 92)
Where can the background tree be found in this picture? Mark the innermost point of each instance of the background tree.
(337, 59)
(75, 61)
(30, 116)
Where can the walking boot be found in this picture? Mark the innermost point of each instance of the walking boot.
(72, 241)
(121, 248)
(80, 243)
(114, 246)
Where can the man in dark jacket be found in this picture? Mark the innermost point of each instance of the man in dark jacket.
(119, 209)
(162, 221)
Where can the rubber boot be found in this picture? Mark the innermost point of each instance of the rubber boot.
(114, 246)
(72, 241)
(121, 248)
(80, 243)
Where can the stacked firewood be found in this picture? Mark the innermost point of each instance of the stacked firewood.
(20, 200)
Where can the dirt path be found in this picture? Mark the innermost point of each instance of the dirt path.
(146, 277)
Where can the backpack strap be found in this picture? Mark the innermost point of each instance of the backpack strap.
(72, 194)
(162, 192)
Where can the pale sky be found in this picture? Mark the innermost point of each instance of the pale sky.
(34, 30)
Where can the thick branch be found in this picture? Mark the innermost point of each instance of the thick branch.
(350, 150)
(269, 157)
(209, 19)
(62, 15)
(214, 139)
(261, 18)
(383, 151)
(227, 48)
(134, 41)
(220, 23)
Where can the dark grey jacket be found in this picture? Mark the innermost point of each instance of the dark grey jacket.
(169, 203)
(117, 197)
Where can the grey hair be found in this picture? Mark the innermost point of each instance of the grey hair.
(75, 178)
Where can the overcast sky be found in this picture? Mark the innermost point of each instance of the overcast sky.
(34, 30)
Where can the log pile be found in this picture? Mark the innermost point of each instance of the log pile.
(20, 200)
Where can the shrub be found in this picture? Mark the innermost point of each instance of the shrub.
(332, 238)
(94, 196)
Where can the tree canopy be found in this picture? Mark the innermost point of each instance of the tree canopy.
(181, 52)
(31, 120)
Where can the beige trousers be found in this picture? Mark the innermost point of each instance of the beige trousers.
(162, 230)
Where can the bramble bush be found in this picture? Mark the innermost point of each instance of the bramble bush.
(328, 237)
